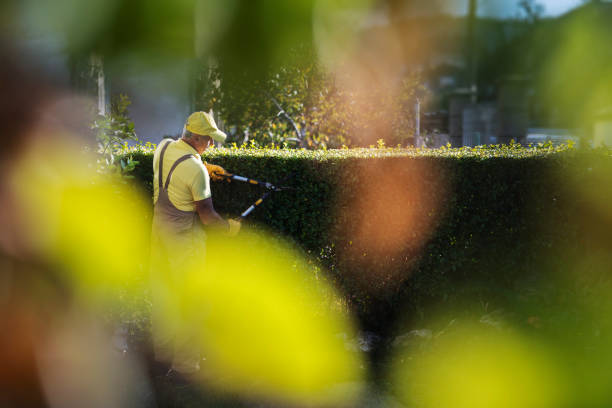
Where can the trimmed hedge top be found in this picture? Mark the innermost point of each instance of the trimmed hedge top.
(514, 151)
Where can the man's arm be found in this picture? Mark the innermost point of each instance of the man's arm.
(208, 215)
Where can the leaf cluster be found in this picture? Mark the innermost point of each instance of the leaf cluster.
(115, 128)
(113, 131)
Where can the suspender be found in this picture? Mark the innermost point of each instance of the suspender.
(161, 166)
(176, 163)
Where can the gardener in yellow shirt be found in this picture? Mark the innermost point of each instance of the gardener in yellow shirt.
(183, 206)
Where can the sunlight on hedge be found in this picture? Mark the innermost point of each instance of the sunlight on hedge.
(477, 368)
(90, 228)
(262, 323)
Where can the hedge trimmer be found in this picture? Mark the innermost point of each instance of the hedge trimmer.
(271, 189)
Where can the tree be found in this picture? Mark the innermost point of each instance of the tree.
(300, 104)
(530, 10)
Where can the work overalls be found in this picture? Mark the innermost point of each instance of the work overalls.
(177, 250)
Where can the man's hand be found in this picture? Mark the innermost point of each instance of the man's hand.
(210, 218)
(216, 172)
(234, 227)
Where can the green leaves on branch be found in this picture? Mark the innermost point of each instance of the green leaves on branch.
(113, 131)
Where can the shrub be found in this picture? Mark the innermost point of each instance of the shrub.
(408, 226)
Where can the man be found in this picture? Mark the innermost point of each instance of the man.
(183, 206)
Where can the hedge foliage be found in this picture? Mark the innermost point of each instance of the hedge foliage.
(479, 220)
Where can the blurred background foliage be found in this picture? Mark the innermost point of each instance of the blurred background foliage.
(566, 61)
(316, 57)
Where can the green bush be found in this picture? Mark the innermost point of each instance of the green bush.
(484, 218)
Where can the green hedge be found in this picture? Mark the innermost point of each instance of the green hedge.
(497, 212)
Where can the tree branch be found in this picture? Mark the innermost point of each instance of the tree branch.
(290, 119)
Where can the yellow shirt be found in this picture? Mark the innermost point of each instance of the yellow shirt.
(190, 181)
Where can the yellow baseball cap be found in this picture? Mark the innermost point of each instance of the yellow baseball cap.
(202, 123)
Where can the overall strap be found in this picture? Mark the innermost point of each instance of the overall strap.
(176, 163)
(161, 164)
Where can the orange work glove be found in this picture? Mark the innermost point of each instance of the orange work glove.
(216, 172)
